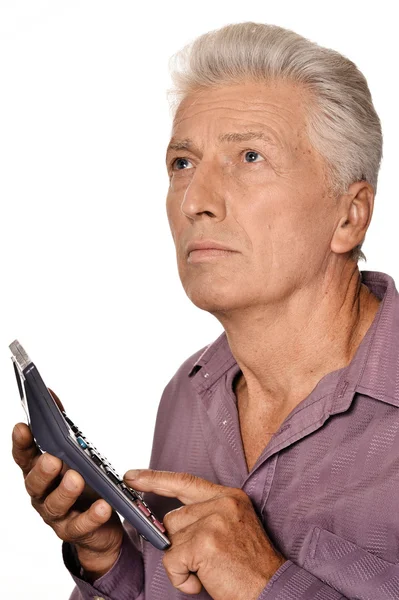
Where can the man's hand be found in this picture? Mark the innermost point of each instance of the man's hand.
(217, 538)
(68, 505)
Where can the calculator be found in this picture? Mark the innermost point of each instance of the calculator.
(54, 432)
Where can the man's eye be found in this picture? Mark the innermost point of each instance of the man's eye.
(253, 156)
(180, 164)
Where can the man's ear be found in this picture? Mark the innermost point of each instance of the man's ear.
(356, 209)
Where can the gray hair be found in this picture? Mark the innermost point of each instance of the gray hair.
(344, 128)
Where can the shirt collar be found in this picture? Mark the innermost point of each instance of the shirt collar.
(373, 370)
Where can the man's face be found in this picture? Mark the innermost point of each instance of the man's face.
(262, 194)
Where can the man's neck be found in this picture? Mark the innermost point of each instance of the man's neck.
(284, 351)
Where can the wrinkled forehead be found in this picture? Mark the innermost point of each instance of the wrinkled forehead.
(279, 107)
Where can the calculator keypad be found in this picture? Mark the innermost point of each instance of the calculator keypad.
(134, 496)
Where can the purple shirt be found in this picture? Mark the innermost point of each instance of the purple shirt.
(326, 485)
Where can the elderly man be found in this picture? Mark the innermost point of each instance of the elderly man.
(279, 442)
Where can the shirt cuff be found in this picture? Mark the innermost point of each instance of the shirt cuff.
(124, 581)
(291, 581)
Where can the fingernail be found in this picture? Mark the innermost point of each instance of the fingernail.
(133, 474)
(70, 482)
(101, 509)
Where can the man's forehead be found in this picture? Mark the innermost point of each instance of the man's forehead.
(240, 113)
(244, 98)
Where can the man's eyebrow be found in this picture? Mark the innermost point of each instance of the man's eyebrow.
(234, 136)
(186, 144)
(247, 136)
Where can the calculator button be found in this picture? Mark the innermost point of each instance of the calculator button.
(135, 495)
(112, 477)
(72, 425)
(96, 459)
(158, 524)
(143, 508)
(128, 494)
(81, 443)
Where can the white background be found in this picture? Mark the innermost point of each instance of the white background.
(89, 281)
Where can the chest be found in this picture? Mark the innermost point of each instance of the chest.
(255, 438)
(258, 424)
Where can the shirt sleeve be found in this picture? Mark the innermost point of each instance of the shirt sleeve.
(291, 581)
(125, 581)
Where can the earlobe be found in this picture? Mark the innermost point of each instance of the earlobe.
(351, 230)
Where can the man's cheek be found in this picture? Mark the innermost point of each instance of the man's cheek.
(175, 221)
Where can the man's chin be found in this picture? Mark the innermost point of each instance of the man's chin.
(215, 293)
(213, 303)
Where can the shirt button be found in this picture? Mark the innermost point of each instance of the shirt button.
(206, 375)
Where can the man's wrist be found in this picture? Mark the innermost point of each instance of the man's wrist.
(94, 565)
(274, 566)
(91, 576)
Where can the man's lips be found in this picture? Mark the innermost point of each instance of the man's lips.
(198, 245)
(207, 251)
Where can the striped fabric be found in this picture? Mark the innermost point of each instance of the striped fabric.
(326, 486)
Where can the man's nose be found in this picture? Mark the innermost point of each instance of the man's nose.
(206, 193)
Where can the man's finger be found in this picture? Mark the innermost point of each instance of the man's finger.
(188, 488)
(41, 478)
(185, 582)
(80, 528)
(184, 516)
(179, 573)
(62, 499)
(24, 450)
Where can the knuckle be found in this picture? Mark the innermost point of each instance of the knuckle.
(80, 530)
(217, 520)
(30, 487)
(35, 484)
(166, 561)
(46, 517)
(217, 524)
(207, 542)
(36, 505)
(187, 479)
(59, 529)
(232, 503)
(49, 514)
(170, 518)
(240, 495)
(64, 532)
(63, 529)
(77, 534)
